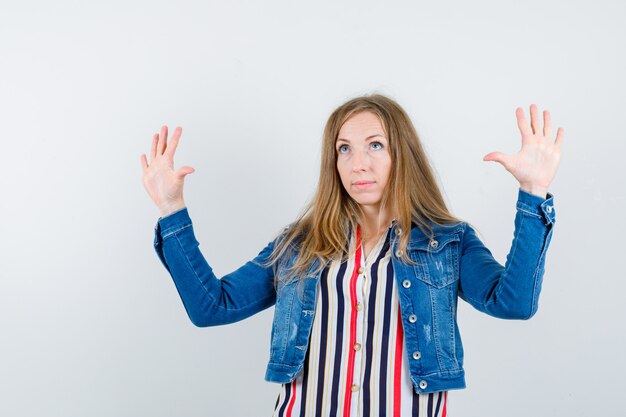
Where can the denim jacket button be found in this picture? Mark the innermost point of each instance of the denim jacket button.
(398, 253)
(412, 319)
(406, 283)
(434, 243)
(549, 209)
(423, 384)
(417, 355)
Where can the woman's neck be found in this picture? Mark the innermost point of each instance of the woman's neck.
(374, 222)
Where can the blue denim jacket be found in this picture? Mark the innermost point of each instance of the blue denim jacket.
(454, 263)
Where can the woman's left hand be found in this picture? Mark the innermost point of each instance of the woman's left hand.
(535, 165)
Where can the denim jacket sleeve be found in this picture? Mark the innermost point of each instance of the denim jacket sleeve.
(210, 301)
(512, 291)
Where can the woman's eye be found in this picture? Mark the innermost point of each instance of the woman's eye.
(343, 149)
(377, 145)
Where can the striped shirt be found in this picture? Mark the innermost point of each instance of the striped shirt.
(356, 363)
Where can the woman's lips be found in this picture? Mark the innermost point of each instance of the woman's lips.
(362, 185)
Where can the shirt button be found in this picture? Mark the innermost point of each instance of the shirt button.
(416, 355)
(357, 346)
(361, 270)
(398, 253)
(354, 388)
(359, 307)
(423, 384)
(406, 283)
(434, 243)
(549, 209)
(412, 318)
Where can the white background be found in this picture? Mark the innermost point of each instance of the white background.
(91, 322)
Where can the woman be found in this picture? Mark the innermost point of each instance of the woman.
(365, 282)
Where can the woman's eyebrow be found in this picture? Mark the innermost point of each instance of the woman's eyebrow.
(367, 138)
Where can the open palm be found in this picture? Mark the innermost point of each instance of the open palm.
(535, 165)
(163, 184)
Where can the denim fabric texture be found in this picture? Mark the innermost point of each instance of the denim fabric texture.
(455, 263)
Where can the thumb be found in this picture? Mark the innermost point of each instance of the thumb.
(496, 157)
(184, 171)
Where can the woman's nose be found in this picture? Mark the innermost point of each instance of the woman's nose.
(360, 161)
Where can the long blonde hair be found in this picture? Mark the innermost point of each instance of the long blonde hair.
(322, 231)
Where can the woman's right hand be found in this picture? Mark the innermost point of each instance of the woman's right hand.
(163, 184)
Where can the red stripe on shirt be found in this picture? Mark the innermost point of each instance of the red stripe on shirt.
(353, 317)
(292, 400)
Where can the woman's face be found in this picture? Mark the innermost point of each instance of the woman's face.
(363, 159)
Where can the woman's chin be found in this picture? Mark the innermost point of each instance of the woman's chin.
(367, 202)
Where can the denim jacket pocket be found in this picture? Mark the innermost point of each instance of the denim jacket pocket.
(436, 260)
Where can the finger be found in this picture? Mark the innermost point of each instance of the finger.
(505, 160)
(522, 124)
(559, 136)
(171, 147)
(144, 161)
(162, 140)
(153, 149)
(183, 171)
(496, 157)
(534, 119)
(547, 124)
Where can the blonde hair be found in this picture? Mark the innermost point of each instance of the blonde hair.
(322, 231)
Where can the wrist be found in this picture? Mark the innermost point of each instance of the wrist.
(538, 190)
(171, 208)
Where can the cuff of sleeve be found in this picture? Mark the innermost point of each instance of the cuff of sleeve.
(171, 224)
(537, 206)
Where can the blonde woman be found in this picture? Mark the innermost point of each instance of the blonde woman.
(365, 283)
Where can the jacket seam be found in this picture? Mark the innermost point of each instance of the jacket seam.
(166, 235)
(467, 297)
(536, 275)
(505, 272)
(192, 268)
(529, 212)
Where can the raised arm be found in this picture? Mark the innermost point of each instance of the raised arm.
(512, 291)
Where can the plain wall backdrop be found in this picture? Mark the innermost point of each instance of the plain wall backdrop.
(91, 322)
